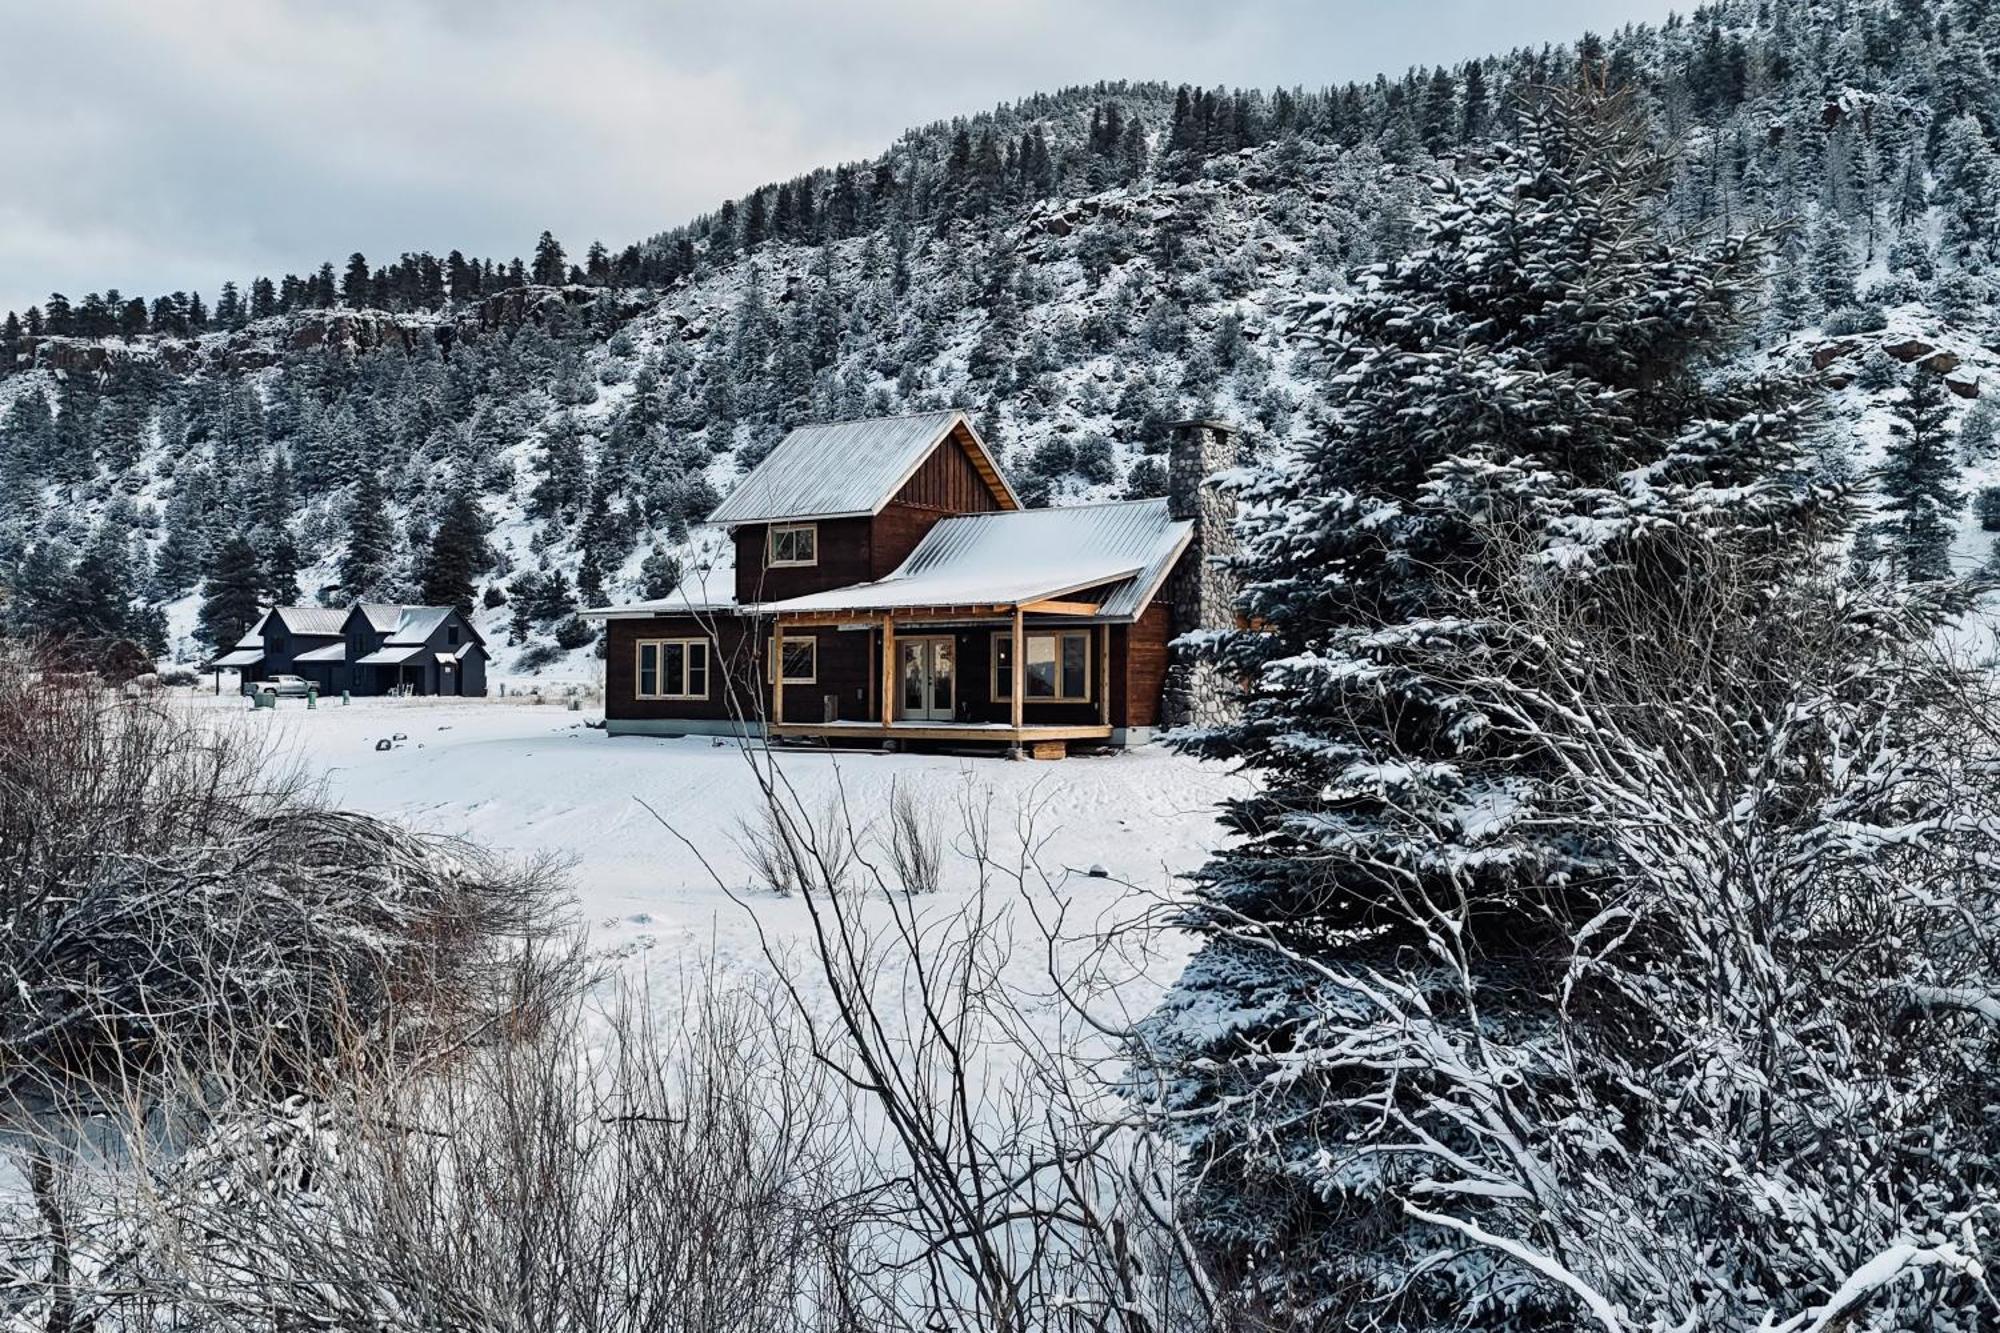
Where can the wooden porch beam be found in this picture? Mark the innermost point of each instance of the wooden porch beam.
(1018, 665)
(1060, 608)
(888, 669)
(778, 674)
(1104, 674)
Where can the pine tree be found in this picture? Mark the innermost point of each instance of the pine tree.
(550, 263)
(1830, 265)
(366, 563)
(1918, 480)
(1526, 416)
(458, 554)
(659, 574)
(232, 594)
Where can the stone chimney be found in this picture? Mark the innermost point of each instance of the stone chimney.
(1201, 594)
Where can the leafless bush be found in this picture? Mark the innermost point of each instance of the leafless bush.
(793, 850)
(1011, 1191)
(163, 889)
(915, 843)
(610, 1173)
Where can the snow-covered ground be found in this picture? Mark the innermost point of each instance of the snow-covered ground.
(524, 778)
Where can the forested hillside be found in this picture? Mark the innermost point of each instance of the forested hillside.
(1077, 269)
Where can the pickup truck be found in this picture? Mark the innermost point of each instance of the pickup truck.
(286, 686)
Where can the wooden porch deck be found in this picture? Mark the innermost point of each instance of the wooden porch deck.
(996, 732)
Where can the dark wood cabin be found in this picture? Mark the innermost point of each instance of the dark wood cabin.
(879, 581)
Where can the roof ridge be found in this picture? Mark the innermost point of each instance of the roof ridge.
(1058, 509)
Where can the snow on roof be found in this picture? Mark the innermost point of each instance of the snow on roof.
(840, 468)
(417, 624)
(331, 652)
(239, 657)
(311, 620)
(1024, 556)
(382, 617)
(254, 636)
(390, 656)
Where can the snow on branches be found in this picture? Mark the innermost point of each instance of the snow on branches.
(1585, 954)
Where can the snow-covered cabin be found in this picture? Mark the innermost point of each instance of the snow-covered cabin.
(889, 573)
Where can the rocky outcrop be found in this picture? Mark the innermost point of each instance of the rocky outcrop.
(351, 332)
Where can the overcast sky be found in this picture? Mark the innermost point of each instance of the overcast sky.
(151, 145)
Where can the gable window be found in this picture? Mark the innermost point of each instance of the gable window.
(793, 544)
(801, 666)
(673, 669)
(451, 636)
(1055, 666)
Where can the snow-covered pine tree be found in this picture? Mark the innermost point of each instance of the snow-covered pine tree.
(458, 554)
(1918, 480)
(365, 564)
(1556, 973)
(232, 594)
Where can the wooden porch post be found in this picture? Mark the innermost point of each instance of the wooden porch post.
(888, 669)
(777, 673)
(1104, 675)
(1019, 673)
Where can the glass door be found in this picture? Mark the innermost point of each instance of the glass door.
(924, 675)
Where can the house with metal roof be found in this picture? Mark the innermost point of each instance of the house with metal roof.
(880, 582)
(368, 648)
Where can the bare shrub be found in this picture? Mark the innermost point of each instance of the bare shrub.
(163, 888)
(791, 849)
(610, 1173)
(915, 842)
(1012, 1191)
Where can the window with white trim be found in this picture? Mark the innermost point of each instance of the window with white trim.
(1055, 666)
(673, 668)
(801, 659)
(793, 544)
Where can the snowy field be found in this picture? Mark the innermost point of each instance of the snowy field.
(523, 779)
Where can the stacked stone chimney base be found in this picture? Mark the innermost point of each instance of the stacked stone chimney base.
(1201, 594)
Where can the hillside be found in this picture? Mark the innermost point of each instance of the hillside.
(1077, 269)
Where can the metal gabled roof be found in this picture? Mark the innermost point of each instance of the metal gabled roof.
(311, 620)
(383, 617)
(417, 624)
(843, 468)
(1026, 555)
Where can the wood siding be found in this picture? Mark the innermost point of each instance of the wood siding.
(948, 482)
(1139, 660)
(735, 673)
(843, 547)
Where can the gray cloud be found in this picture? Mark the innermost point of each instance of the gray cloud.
(155, 145)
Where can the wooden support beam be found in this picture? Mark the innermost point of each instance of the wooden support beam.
(1061, 608)
(1104, 674)
(1019, 664)
(778, 673)
(888, 669)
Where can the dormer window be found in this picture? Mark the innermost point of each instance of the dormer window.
(793, 544)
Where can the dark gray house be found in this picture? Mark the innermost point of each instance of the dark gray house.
(369, 648)
(421, 649)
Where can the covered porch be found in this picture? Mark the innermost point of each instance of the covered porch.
(1032, 676)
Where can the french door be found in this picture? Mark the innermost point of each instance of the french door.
(925, 690)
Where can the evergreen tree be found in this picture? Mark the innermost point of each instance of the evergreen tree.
(1526, 416)
(232, 594)
(1830, 266)
(659, 574)
(1918, 480)
(550, 263)
(458, 554)
(366, 563)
